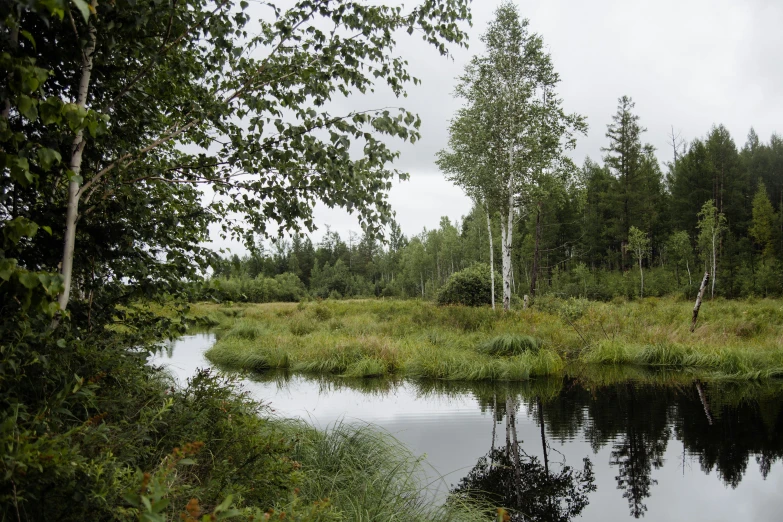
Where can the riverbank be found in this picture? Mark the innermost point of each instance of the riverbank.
(366, 338)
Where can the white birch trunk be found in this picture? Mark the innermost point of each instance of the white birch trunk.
(72, 213)
(714, 263)
(699, 298)
(491, 257)
(641, 274)
(506, 234)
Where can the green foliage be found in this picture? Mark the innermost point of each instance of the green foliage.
(108, 434)
(285, 287)
(469, 287)
(763, 229)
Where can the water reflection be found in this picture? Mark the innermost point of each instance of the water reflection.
(528, 487)
(720, 425)
(659, 446)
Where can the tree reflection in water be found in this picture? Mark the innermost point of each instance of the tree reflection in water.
(720, 426)
(524, 484)
(723, 427)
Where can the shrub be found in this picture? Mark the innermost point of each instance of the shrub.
(470, 287)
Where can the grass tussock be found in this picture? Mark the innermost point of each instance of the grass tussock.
(509, 344)
(370, 338)
(368, 475)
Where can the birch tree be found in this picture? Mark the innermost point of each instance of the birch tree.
(512, 125)
(712, 225)
(136, 105)
(639, 244)
(469, 165)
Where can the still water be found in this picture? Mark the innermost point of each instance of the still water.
(556, 449)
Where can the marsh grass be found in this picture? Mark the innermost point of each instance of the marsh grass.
(368, 475)
(370, 338)
(510, 344)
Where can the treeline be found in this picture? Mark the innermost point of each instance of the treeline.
(715, 209)
(586, 227)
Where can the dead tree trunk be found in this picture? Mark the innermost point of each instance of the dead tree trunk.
(698, 300)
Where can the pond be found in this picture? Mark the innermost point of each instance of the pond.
(559, 449)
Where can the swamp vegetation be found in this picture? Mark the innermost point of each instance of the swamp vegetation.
(114, 118)
(733, 339)
(607, 443)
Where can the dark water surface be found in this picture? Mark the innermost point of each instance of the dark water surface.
(557, 449)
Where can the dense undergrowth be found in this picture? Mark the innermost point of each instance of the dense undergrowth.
(733, 339)
(90, 431)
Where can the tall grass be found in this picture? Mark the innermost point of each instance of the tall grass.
(368, 475)
(371, 338)
(509, 344)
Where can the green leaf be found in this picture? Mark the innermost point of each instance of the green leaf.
(48, 157)
(18, 228)
(92, 128)
(130, 497)
(72, 176)
(27, 107)
(160, 505)
(52, 283)
(20, 171)
(83, 8)
(29, 280)
(29, 38)
(7, 267)
(225, 504)
(50, 111)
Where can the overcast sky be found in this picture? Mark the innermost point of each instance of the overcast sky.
(689, 64)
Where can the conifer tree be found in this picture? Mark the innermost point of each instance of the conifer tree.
(762, 230)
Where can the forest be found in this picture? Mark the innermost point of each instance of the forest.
(584, 232)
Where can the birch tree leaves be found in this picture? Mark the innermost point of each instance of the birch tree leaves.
(203, 94)
(512, 133)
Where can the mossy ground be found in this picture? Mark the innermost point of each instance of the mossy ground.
(365, 338)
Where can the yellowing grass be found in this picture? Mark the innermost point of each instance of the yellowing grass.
(371, 338)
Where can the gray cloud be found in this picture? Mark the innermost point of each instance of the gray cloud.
(689, 64)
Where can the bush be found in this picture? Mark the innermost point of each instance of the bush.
(470, 287)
